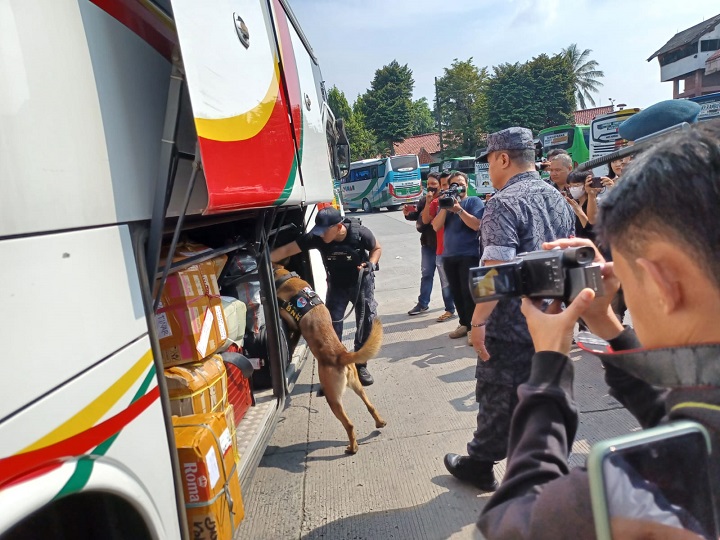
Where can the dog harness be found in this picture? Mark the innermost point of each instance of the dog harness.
(300, 304)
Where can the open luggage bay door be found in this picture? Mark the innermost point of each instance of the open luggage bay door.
(253, 117)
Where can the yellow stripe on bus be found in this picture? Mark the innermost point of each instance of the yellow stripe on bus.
(95, 410)
(243, 126)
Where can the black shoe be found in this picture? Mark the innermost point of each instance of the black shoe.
(364, 375)
(417, 310)
(320, 392)
(478, 473)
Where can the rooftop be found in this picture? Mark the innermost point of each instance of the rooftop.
(585, 116)
(430, 142)
(688, 36)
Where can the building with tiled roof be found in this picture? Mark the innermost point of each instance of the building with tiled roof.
(427, 147)
(585, 116)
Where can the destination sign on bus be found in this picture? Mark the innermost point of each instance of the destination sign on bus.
(555, 139)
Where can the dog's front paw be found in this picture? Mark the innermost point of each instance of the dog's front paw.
(352, 449)
(380, 423)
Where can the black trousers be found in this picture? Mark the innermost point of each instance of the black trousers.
(338, 298)
(457, 270)
(496, 393)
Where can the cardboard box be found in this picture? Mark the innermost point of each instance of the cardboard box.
(213, 502)
(188, 249)
(232, 426)
(197, 388)
(190, 319)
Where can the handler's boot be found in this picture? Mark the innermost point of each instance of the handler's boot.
(475, 472)
(364, 375)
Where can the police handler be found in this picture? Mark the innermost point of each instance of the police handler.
(350, 253)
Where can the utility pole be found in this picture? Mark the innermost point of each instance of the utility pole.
(439, 119)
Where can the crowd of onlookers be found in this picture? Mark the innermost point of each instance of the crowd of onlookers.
(582, 191)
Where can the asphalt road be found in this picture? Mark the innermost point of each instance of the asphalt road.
(396, 486)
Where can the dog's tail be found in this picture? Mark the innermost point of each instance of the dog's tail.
(368, 350)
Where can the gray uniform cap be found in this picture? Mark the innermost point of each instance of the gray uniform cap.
(514, 138)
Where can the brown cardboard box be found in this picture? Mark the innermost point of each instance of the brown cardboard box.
(213, 502)
(197, 388)
(188, 249)
(190, 320)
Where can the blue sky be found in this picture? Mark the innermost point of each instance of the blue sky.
(353, 38)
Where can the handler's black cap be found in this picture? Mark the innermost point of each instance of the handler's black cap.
(513, 138)
(658, 117)
(326, 218)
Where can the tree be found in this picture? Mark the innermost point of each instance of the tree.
(338, 104)
(586, 74)
(387, 105)
(536, 94)
(362, 141)
(461, 93)
(421, 118)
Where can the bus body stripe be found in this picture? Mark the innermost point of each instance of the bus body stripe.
(96, 409)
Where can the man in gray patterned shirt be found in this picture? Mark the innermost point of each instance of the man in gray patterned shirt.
(523, 213)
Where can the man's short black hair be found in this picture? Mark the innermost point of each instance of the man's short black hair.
(444, 174)
(670, 191)
(434, 176)
(522, 157)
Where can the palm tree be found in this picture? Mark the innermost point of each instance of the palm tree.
(586, 74)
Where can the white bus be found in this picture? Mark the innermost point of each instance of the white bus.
(604, 134)
(388, 182)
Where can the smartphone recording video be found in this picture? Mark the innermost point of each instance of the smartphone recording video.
(653, 484)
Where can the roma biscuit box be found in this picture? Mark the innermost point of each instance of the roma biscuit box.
(213, 502)
(198, 387)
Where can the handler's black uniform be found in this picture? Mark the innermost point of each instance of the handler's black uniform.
(341, 260)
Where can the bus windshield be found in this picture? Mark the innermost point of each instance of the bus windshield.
(404, 163)
(562, 139)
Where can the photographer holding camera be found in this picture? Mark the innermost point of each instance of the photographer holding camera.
(523, 213)
(666, 251)
(460, 216)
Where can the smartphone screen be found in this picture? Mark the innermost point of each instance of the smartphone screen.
(596, 182)
(659, 486)
(489, 283)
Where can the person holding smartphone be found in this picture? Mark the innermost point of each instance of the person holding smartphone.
(671, 275)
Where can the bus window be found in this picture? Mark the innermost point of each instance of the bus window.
(381, 170)
(404, 163)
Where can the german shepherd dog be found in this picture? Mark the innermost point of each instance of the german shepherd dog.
(336, 365)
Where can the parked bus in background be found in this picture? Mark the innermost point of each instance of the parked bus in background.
(388, 182)
(604, 134)
(483, 186)
(710, 104)
(465, 164)
(573, 138)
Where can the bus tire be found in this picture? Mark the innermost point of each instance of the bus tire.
(366, 206)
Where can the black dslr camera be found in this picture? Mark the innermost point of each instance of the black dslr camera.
(450, 195)
(539, 274)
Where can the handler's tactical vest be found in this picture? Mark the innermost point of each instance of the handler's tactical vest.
(343, 258)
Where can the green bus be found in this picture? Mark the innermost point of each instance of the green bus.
(573, 138)
(464, 164)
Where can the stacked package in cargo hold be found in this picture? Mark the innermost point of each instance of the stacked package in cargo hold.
(213, 501)
(190, 319)
(197, 388)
